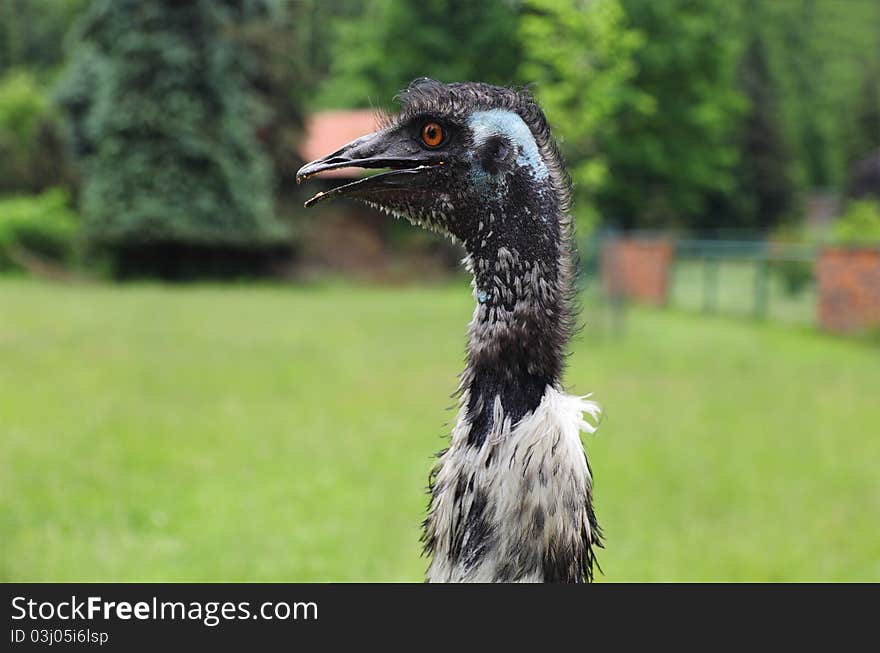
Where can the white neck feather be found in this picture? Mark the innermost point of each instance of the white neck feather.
(533, 478)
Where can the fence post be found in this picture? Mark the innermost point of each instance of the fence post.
(761, 294)
(710, 283)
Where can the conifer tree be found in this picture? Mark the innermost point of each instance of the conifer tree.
(165, 122)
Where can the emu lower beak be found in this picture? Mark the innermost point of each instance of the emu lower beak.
(410, 165)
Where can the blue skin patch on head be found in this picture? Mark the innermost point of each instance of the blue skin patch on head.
(477, 174)
(500, 122)
(482, 297)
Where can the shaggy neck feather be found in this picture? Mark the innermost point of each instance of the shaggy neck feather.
(518, 255)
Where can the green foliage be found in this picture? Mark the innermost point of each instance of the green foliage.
(164, 121)
(795, 276)
(32, 32)
(863, 135)
(580, 60)
(31, 152)
(676, 113)
(43, 225)
(388, 44)
(281, 78)
(820, 51)
(696, 115)
(860, 224)
(315, 25)
(668, 157)
(765, 192)
(22, 105)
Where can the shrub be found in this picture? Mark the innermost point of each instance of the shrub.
(860, 224)
(795, 276)
(31, 149)
(42, 225)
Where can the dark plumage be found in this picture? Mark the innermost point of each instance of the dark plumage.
(511, 499)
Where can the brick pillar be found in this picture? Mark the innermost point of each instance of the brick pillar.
(848, 280)
(637, 268)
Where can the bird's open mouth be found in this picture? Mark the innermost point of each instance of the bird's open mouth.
(407, 166)
(377, 183)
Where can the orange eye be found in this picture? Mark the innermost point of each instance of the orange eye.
(432, 134)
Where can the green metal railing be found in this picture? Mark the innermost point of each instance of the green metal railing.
(780, 272)
(746, 277)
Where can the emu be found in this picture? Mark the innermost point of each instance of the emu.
(511, 497)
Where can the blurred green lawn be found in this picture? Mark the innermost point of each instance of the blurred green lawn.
(268, 433)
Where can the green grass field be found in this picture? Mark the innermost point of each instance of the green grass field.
(210, 433)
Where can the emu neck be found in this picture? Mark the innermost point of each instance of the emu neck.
(519, 255)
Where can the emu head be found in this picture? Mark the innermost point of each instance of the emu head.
(470, 160)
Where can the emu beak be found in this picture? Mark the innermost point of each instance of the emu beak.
(410, 165)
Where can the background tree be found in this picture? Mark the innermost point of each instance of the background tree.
(387, 44)
(280, 78)
(579, 56)
(316, 26)
(765, 192)
(691, 115)
(32, 32)
(863, 135)
(819, 52)
(669, 156)
(863, 145)
(160, 99)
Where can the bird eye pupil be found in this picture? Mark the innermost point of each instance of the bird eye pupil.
(432, 134)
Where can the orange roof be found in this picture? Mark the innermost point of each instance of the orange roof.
(327, 131)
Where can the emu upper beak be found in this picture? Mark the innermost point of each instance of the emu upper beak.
(409, 163)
